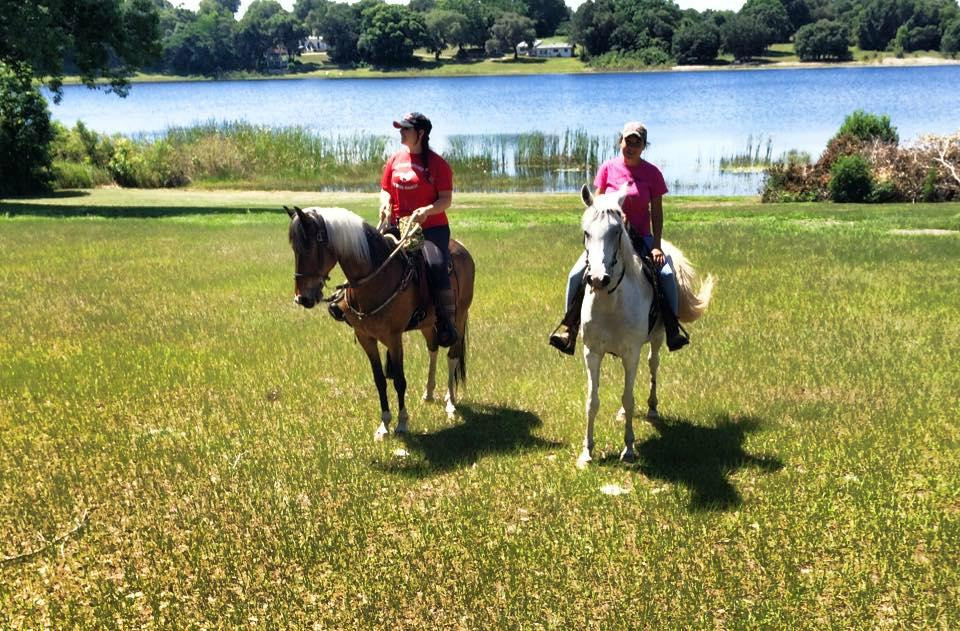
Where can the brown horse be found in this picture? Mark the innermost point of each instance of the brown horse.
(383, 298)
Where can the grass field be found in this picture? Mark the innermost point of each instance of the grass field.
(183, 447)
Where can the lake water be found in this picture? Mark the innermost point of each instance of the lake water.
(694, 118)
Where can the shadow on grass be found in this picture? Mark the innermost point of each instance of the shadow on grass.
(701, 458)
(11, 208)
(483, 430)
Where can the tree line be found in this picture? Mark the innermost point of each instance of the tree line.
(658, 32)
(211, 41)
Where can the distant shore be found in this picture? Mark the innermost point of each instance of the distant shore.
(447, 68)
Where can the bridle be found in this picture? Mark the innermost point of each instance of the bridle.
(616, 258)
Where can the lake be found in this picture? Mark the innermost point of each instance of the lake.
(694, 118)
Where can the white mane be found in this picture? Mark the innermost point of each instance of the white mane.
(345, 231)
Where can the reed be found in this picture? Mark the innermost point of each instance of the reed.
(751, 159)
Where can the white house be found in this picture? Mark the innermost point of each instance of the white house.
(539, 49)
(556, 49)
(313, 44)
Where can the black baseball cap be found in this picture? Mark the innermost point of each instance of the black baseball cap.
(414, 120)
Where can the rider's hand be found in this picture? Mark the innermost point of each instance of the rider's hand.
(658, 257)
(419, 215)
(385, 214)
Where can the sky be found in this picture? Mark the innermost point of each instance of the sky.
(699, 5)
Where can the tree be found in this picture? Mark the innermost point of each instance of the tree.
(593, 24)
(266, 24)
(547, 15)
(799, 13)
(25, 133)
(340, 29)
(879, 21)
(205, 45)
(476, 21)
(744, 37)
(107, 39)
(823, 39)
(950, 43)
(389, 34)
(772, 15)
(101, 38)
(444, 28)
(696, 43)
(509, 30)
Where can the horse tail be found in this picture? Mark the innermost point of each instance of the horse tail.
(691, 303)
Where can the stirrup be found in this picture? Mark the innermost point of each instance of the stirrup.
(678, 340)
(566, 345)
(446, 336)
(336, 312)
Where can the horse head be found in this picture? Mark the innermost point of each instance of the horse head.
(313, 256)
(603, 233)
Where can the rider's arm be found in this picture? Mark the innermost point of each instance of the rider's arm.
(656, 220)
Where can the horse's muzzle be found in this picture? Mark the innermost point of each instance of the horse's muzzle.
(599, 283)
(305, 301)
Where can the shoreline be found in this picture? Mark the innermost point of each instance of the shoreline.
(331, 74)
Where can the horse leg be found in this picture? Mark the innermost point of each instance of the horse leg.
(631, 362)
(453, 364)
(369, 346)
(395, 359)
(653, 361)
(431, 376)
(593, 403)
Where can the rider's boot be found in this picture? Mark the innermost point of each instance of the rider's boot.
(335, 308)
(677, 337)
(446, 308)
(564, 337)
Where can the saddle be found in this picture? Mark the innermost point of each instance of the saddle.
(650, 272)
(425, 304)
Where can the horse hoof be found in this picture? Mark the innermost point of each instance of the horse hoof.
(653, 415)
(628, 455)
(621, 415)
(427, 397)
(584, 461)
(382, 432)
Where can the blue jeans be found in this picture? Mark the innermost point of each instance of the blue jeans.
(667, 278)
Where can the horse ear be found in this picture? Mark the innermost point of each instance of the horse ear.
(322, 229)
(289, 212)
(586, 196)
(303, 218)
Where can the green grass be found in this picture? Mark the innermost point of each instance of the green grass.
(154, 372)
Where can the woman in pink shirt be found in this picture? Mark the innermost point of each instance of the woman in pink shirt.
(643, 208)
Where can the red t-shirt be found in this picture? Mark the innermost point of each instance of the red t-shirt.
(644, 182)
(410, 188)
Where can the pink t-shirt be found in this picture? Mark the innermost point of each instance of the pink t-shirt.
(644, 183)
(404, 178)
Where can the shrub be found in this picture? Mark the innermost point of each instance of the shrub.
(850, 179)
(126, 164)
(866, 126)
(929, 192)
(78, 175)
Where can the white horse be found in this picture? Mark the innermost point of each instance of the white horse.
(616, 309)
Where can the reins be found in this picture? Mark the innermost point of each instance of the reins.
(410, 235)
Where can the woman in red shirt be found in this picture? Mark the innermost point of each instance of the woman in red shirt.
(418, 183)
